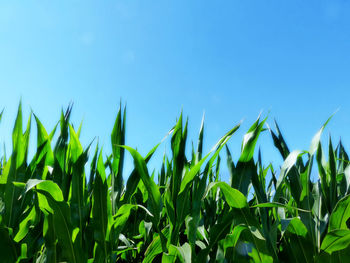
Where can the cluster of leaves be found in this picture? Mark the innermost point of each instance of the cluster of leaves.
(50, 212)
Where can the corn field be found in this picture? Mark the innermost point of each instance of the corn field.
(53, 209)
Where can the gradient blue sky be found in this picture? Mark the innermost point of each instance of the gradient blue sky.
(231, 59)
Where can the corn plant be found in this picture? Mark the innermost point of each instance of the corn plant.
(51, 210)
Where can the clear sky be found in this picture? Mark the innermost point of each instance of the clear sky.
(231, 59)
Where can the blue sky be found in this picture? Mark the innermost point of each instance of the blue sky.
(231, 59)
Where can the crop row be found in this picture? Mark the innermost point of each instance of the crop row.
(52, 211)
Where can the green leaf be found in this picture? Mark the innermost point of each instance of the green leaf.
(25, 224)
(75, 147)
(150, 185)
(297, 227)
(17, 131)
(1, 113)
(52, 133)
(122, 216)
(297, 240)
(64, 231)
(232, 239)
(316, 139)
(101, 210)
(336, 240)
(185, 253)
(171, 256)
(188, 178)
(78, 193)
(45, 185)
(13, 172)
(155, 248)
(63, 227)
(50, 237)
(340, 214)
(26, 137)
(44, 144)
(134, 177)
(250, 139)
(233, 197)
(241, 215)
(200, 142)
(289, 170)
(118, 138)
(279, 141)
